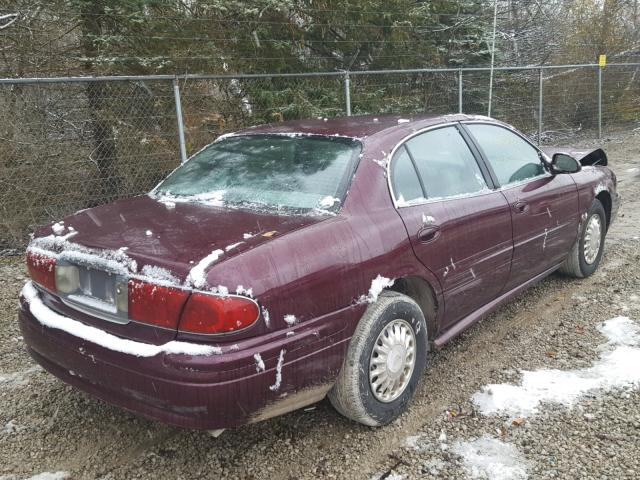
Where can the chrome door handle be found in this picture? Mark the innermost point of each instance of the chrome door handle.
(429, 233)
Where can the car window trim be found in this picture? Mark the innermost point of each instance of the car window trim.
(485, 160)
(491, 185)
(415, 169)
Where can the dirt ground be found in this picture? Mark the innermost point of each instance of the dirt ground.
(47, 426)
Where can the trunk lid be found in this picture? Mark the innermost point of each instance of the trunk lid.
(175, 235)
(153, 241)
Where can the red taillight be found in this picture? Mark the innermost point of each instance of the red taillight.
(206, 313)
(42, 270)
(155, 304)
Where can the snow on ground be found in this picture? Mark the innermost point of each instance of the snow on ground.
(489, 458)
(17, 379)
(41, 476)
(51, 319)
(12, 427)
(617, 367)
(290, 320)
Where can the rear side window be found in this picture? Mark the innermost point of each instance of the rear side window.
(512, 158)
(445, 163)
(404, 178)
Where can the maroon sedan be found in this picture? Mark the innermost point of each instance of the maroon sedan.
(287, 262)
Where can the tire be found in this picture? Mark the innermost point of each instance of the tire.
(353, 395)
(578, 264)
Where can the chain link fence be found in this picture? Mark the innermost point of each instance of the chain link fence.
(73, 143)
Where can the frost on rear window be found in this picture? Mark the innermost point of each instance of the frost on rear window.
(291, 173)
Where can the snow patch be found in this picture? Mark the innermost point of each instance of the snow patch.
(50, 476)
(214, 198)
(276, 386)
(232, 246)
(428, 219)
(247, 236)
(617, 367)
(11, 427)
(159, 275)
(265, 315)
(403, 120)
(489, 458)
(148, 233)
(259, 363)
(51, 319)
(290, 320)
(328, 201)
(382, 163)
(58, 228)
(378, 284)
(222, 290)
(196, 275)
(247, 292)
(17, 379)
(115, 261)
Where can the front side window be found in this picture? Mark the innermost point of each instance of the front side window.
(512, 158)
(445, 163)
(268, 171)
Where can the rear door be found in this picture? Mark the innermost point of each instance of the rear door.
(544, 207)
(460, 228)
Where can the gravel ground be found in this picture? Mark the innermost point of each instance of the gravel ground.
(46, 426)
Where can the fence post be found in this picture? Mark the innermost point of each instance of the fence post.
(460, 90)
(176, 95)
(540, 96)
(599, 102)
(347, 93)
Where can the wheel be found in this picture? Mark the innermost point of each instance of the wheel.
(586, 253)
(385, 360)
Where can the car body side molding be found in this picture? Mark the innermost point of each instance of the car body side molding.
(490, 307)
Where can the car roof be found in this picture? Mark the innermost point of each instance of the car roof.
(356, 127)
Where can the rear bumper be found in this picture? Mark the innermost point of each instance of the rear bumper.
(203, 391)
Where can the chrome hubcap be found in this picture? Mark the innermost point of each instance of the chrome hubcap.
(592, 239)
(392, 360)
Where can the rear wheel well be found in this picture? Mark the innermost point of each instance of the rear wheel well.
(421, 292)
(605, 199)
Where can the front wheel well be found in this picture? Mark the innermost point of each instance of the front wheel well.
(605, 199)
(421, 292)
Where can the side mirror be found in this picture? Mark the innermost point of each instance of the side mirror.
(563, 163)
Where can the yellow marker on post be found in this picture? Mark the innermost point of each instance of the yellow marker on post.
(602, 61)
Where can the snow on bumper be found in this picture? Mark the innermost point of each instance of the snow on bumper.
(51, 319)
(185, 384)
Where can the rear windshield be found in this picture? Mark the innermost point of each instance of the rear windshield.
(293, 173)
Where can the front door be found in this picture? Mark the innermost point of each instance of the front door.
(544, 207)
(460, 229)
